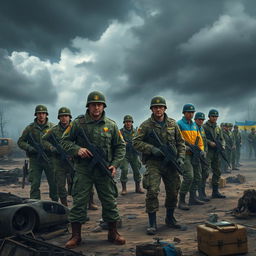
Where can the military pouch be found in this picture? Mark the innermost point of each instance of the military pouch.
(145, 180)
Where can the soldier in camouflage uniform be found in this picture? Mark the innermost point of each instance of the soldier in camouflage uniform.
(213, 130)
(152, 157)
(238, 142)
(229, 143)
(233, 149)
(252, 143)
(103, 133)
(199, 119)
(131, 157)
(38, 163)
(191, 172)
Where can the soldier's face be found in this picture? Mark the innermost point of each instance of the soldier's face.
(41, 117)
(158, 111)
(96, 110)
(128, 125)
(199, 122)
(189, 115)
(213, 119)
(65, 119)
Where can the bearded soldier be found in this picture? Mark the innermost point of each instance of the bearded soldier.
(165, 129)
(98, 149)
(39, 161)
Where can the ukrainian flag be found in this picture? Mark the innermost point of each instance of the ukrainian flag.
(246, 125)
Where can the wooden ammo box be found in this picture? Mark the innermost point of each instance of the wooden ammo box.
(216, 240)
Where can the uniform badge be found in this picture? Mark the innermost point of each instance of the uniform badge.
(157, 101)
(105, 129)
(96, 97)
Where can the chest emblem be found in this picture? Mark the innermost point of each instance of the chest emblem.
(105, 129)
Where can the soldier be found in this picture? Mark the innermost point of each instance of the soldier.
(233, 149)
(227, 135)
(39, 161)
(199, 119)
(238, 143)
(131, 157)
(192, 172)
(213, 132)
(152, 157)
(103, 133)
(252, 143)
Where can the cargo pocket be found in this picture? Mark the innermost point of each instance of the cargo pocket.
(145, 180)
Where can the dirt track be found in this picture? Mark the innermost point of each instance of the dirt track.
(134, 218)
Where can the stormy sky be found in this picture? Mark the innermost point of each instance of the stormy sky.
(189, 51)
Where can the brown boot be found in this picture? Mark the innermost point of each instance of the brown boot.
(91, 204)
(64, 201)
(124, 191)
(75, 239)
(138, 188)
(113, 236)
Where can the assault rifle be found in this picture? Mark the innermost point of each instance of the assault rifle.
(219, 146)
(66, 159)
(39, 148)
(24, 173)
(169, 152)
(98, 157)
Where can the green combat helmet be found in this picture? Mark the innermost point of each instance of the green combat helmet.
(41, 109)
(63, 111)
(200, 115)
(128, 118)
(213, 112)
(158, 101)
(188, 108)
(96, 97)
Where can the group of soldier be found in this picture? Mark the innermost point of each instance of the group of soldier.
(93, 147)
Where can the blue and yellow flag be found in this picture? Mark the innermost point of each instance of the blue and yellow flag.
(246, 125)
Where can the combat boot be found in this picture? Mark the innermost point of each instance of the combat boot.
(193, 200)
(75, 239)
(182, 204)
(91, 204)
(216, 193)
(138, 189)
(64, 201)
(202, 195)
(170, 220)
(113, 236)
(124, 191)
(152, 228)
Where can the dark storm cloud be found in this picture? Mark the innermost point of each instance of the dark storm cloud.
(43, 28)
(19, 88)
(205, 49)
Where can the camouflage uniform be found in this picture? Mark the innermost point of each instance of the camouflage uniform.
(229, 143)
(252, 144)
(131, 157)
(213, 157)
(36, 167)
(238, 140)
(105, 134)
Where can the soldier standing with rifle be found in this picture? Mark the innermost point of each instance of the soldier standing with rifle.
(98, 149)
(192, 168)
(62, 162)
(238, 142)
(163, 151)
(131, 157)
(39, 160)
(216, 145)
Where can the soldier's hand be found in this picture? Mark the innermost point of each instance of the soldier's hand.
(113, 170)
(180, 161)
(156, 152)
(84, 153)
(212, 144)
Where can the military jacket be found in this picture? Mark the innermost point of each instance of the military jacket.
(128, 135)
(103, 133)
(229, 139)
(237, 137)
(169, 133)
(252, 138)
(37, 131)
(202, 132)
(215, 131)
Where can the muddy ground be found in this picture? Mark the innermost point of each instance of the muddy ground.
(134, 218)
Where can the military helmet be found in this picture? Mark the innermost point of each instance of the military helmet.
(213, 112)
(158, 101)
(188, 108)
(96, 97)
(199, 115)
(41, 109)
(63, 111)
(128, 118)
